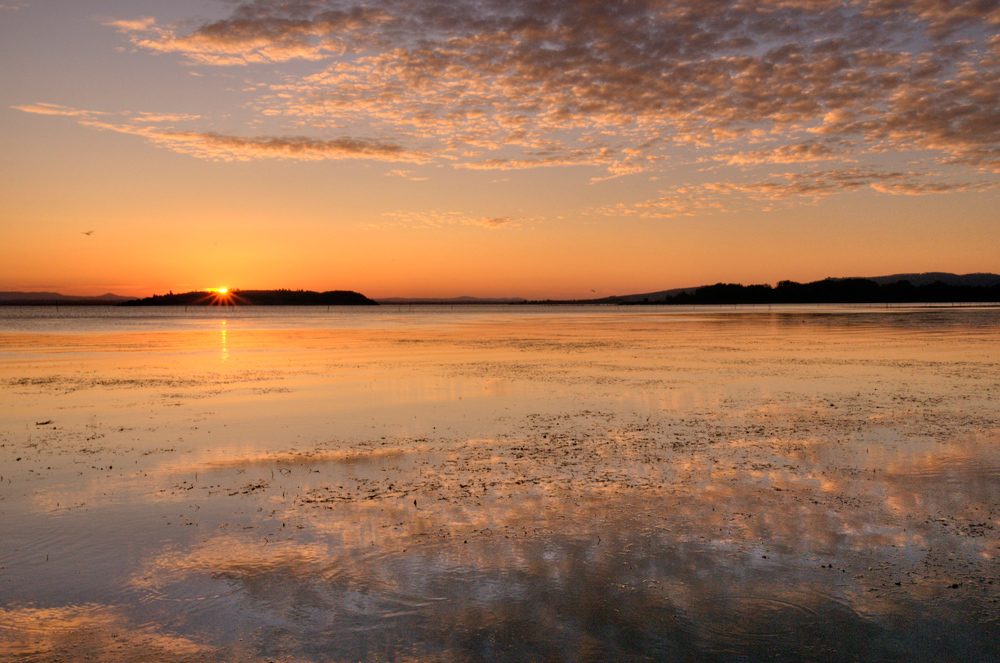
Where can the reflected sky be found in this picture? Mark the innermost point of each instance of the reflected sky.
(493, 486)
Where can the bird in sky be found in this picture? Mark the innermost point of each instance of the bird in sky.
(88, 233)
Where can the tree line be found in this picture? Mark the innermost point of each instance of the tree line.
(831, 291)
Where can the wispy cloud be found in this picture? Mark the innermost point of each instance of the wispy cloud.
(143, 116)
(136, 25)
(778, 191)
(438, 219)
(56, 109)
(224, 147)
(406, 174)
(217, 146)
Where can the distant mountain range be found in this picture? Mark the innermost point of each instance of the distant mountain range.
(56, 299)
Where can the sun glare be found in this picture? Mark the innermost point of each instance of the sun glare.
(221, 296)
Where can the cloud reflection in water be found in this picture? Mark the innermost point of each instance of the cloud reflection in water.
(849, 569)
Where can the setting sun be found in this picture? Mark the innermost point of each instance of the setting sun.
(220, 296)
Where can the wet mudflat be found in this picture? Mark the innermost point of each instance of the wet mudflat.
(802, 484)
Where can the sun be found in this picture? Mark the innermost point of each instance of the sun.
(221, 296)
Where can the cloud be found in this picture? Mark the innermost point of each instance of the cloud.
(255, 34)
(227, 148)
(135, 25)
(818, 183)
(778, 191)
(406, 174)
(798, 153)
(218, 146)
(620, 87)
(576, 158)
(438, 219)
(165, 117)
(56, 109)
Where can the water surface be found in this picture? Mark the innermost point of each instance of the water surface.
(500, 484)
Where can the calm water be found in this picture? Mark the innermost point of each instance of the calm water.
(500, 484)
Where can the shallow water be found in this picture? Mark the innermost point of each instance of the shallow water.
(500, 484)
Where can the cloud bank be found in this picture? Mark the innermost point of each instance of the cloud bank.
(629, 87)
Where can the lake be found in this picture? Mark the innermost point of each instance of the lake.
(500, 484)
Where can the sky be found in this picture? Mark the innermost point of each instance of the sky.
(430, 148)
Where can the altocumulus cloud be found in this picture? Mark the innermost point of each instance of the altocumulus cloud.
(626, 87)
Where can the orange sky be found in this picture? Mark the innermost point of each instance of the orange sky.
(509, 148)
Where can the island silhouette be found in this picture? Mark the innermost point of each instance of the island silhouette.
(927, 288)
(830, 291)
(226, 297)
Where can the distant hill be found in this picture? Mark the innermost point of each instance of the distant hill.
(452, 300)
(923, 279)
(57, 299)
(978, 280)
(256, 298)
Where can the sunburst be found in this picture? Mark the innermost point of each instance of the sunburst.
(221, 297)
